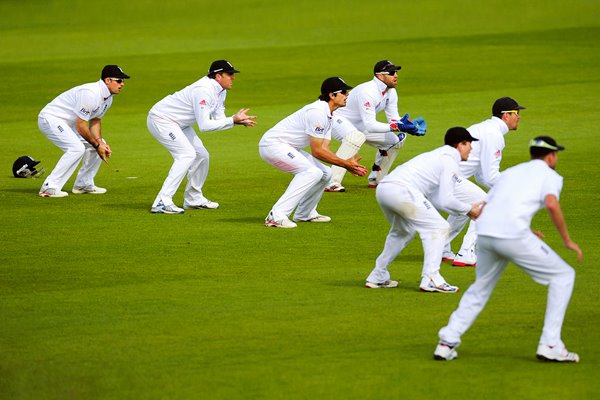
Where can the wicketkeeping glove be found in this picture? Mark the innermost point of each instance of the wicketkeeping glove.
(404, 125)
(421, 126)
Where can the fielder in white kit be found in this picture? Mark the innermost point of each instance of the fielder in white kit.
(483, 164)
(406, 196)
(72, 121)
(505, 236)
(357, 123)
(282, 146)
(170, 122)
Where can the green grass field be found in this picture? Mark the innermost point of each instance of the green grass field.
(100, 299)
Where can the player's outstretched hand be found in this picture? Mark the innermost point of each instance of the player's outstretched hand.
(354, 167)
(242, 118)
(571, 245)
(476, 209)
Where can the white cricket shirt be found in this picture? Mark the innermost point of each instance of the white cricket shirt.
(87, 101)
(365, 101)
(202, 102)
(484, 160)
(516, 197)
(312, 120)
(433, 174)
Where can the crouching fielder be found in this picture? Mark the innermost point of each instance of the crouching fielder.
(504, 235)
(357, 123)
(404, 197)
(281, 146)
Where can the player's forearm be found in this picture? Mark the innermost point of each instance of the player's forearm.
(85, 130)
(559, 222)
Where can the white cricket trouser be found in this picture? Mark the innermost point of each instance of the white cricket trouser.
(380, 140)
(306, 188)
(534, 257)
(409, 212)
(189, 156)
(467, 192)
(75, 147)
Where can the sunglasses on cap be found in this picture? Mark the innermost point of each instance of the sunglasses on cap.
(342, 91)
(510, 112)
(543, 144)
(118, 80)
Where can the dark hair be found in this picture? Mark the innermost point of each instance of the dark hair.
(539, 152)
(325, 97)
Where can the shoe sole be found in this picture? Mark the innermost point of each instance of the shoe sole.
(278, 226)
(51, 195)
(546, 359)
(462, 264)
(165, 212)
(446, 259)
(436, 290)
(335, 191)
(84, 192)
(201, 208)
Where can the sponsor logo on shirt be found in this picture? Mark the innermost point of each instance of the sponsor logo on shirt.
(498, 153)
(172, 135)
(202, 102)
(84, 111)
(60, 129)
(427, 204)
(367, 104)
(319, 130)
(290, 155)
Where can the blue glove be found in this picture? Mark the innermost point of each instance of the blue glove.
(404, 125)
(421, 126)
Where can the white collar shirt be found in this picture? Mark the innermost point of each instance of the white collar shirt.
(202, 102)
(87, 101)
(312, 120)
(434, 174)
(365, 101)
(517, 196)
(486, 154)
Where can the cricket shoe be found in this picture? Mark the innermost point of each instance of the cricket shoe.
(442, 288)
(445, 351)
(372, 183)
(90, 189)
(160, 208)
(383, 285)
(282, 223)
(465, 259)
(335, 187)
(556, 354)
(448, 256)
(209, 205)
(50, 192)
(318, 218)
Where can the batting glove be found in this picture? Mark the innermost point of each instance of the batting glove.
(421, 126)
(404, 125)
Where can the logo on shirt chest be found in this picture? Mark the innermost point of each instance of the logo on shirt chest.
(498, 153)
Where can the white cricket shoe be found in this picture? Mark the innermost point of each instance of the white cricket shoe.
(50, 192)
(318, 218)
(466, 258)
(444, 287)
(382, 285)
(556, 354)
(91, 189)
(448, 256)
(445, 351)
(160, 208)
(282, 223)
(209, 205)
(335, 187)
(372, 183)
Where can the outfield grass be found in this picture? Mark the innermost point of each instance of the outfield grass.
(99, 299)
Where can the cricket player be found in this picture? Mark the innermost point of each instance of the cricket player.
(170, 122)
(406, 196)
(505, 236)
(282, 146)
(72, 121)
(483, 164)
(357, 123)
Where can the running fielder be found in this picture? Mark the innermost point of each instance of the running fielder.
(357, 123)
(505, 236)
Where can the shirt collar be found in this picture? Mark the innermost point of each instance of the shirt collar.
(106, 94)
(216, 85)
(500, 124)
(382, 87)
